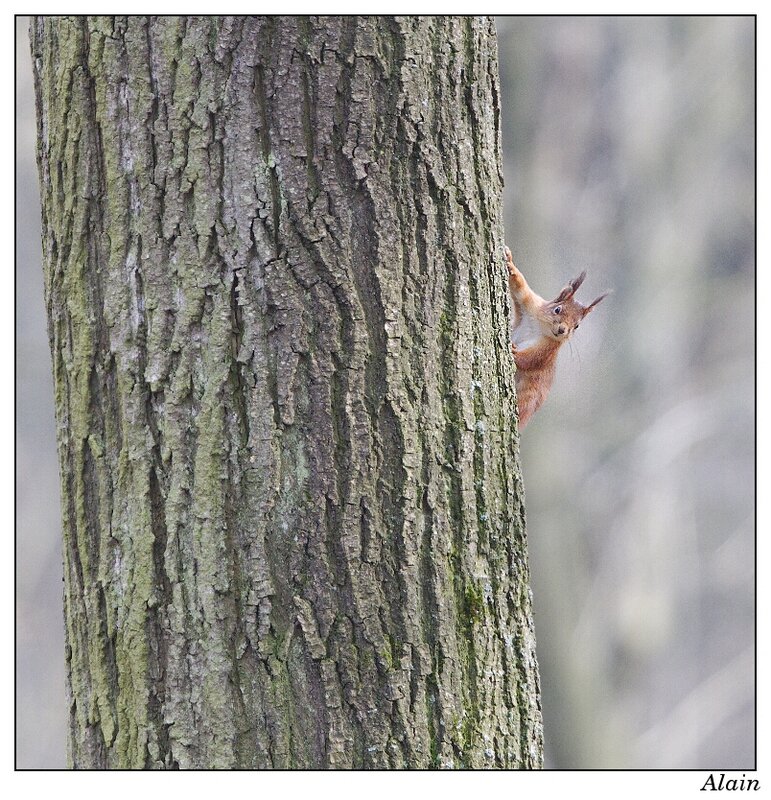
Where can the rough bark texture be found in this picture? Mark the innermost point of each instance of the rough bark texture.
(292, 505)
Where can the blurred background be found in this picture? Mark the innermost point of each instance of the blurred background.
(40, 702)
(628, 152)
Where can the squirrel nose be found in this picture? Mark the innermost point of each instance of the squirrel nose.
(561, 330)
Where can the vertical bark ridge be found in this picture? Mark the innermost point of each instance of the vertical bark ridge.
(293, 526)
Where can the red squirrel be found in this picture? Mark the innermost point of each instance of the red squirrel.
(540, 328)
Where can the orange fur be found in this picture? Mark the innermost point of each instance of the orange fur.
(539, 329)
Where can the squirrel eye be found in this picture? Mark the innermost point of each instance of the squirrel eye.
(576, 327)
(558, 309)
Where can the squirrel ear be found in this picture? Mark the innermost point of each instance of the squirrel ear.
(569, 290)
(594, 303)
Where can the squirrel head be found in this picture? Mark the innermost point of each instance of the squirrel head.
(560, 317)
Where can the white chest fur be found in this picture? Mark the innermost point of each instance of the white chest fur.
(526, 333)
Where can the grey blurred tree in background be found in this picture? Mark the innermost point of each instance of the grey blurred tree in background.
(287, 544)
(628, 151)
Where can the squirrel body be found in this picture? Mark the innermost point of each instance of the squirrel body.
(540, 327)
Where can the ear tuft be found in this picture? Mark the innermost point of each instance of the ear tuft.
(576, 282)
(569, 290)
(595, 302)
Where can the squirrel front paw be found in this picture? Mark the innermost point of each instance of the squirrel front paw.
(510, 262)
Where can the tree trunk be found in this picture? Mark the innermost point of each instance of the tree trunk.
(292, 505)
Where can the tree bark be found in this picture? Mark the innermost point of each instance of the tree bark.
(292, 506)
